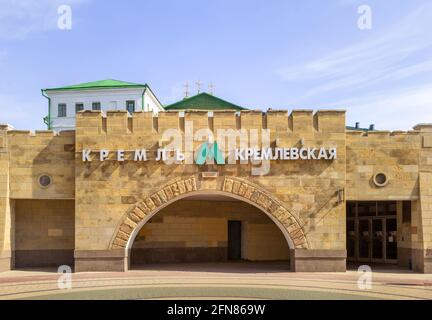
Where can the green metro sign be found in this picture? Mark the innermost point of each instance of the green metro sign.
(209, 151)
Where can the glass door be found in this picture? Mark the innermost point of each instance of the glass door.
(364, 235)
(371, 231)
(377, 239)
(351, 240)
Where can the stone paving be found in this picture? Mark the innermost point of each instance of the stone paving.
(217, 281)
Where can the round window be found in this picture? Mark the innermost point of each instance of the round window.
(45, 181)
(380, 179)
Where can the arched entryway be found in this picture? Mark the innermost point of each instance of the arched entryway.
(204, 228)
(235, 188)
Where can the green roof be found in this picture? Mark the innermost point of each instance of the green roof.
(102, 84)
(203, 101)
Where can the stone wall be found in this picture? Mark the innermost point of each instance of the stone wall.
(394, 153)
(44, 152)
(406, 231)
(6, 229)
(24, 157)
(44, 233)
(264, 242)
(422, 242)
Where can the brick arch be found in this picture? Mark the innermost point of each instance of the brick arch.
(233, 187)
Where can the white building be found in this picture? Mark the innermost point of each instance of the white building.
(65, 102)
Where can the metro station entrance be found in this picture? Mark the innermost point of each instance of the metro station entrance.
(372, 232)
(208, 228)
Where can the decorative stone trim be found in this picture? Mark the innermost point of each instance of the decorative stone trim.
(269, 205)
(148, 206)
(235, 186)
(45, 181)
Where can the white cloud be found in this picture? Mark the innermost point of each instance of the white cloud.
(19, 18)
(383, 80)
(392, 55)
(391, 110)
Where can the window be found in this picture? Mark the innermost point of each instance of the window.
(371, 209)
(44, 181)
(96, 106)
(62, 110)
(130, 106)
(79, 107)
(367, 209)
(380, 180)
(387, 208)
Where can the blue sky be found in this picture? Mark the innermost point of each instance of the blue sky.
(280, 54)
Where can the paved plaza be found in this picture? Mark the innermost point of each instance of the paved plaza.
(216, 281)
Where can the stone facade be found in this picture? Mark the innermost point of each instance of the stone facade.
(406, 158)
(305, 200)
(423, 240)
(44, 233)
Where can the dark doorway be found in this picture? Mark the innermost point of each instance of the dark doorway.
(234, 240)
